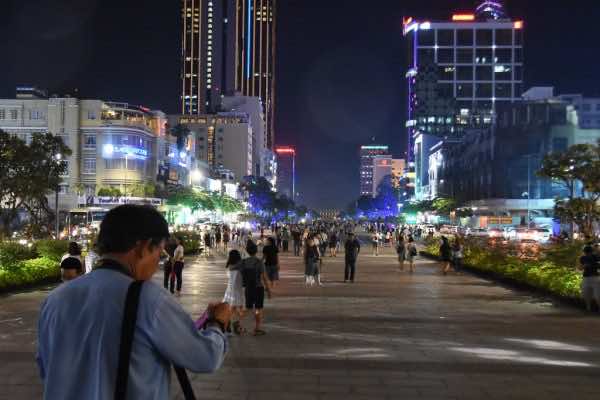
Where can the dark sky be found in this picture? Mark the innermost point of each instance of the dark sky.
(340, 66)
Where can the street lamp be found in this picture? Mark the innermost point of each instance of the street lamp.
(58, 157)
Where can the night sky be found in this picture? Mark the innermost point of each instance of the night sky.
(340, 66)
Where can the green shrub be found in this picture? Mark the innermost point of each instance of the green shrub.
(11, 253)
(29, 272)
(52, 249)
(191, 241)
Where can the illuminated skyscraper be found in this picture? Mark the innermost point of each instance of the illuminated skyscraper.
(286, 171)
(460, 70)
(255, 55)
(368, 154)
(208, 45)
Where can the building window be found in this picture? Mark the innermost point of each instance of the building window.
(89, 142)
(91, 114)
(445, 37)
(446, 73)
(426, 38)
(483, 56)
(586, 107)
(446, 56)
(116, 163)
(503, 90)
(483, 73)
(63, 189)
(464, 90)
(89, 165)
(2, 114)
(464, 37)
(484, 37)
(464, 56)
(14, 114)
(35, 114)
(504, 37)
(464, 73)
(484, 90)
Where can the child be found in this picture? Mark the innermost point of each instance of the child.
(234, 295)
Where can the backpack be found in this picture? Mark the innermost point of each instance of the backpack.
(250, 274)
(413, 251)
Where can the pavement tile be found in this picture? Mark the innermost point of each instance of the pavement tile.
(389, 336)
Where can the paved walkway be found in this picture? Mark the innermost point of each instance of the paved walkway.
(391, 335)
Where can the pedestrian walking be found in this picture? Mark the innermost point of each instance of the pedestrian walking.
(352, 250)
(445, 255)
(285, 236)
(411, 253)
(333, 243)
(168, 275)
(401, 251)
(311, 263)
(590, 285)
(218, 238)
(207, 242)
(234, 294)
(271, 261)
(226, 239)
(255, 284)
(178, 263)
(84, 344)
(297, 239)
(375, 243)
(457, 254)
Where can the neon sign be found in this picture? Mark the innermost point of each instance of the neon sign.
(111, 150)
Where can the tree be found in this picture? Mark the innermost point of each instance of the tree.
(28, 173)
(109, 192)
(181, 133)
(580, 163)
(570, 166)
(443, 206)
(581, 211)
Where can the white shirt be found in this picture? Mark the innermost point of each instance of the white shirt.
(178, 255)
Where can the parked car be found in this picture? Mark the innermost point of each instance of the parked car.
(478, 232)
(543, 235)
(496, 233)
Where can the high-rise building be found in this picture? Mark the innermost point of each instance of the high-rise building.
(398, 169)
(228, 46)
(286, 171)
(382, 169)
(459, 72)
(254, 62)
(367, 157)
(208, 45)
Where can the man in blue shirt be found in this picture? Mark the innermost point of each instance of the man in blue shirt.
(79, 328)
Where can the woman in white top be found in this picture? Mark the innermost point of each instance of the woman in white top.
(234, 294)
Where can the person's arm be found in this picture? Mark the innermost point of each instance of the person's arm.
(174, 334)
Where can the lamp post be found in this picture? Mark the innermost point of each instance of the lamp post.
(58, 157)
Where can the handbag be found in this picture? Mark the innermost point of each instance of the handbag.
(127, 331)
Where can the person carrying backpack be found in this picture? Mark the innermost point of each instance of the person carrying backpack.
(411, 253)
(256, 283)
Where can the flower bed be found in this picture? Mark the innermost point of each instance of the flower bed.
(23, 266)
(553, 271)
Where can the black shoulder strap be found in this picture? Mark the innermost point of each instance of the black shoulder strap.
(127, 331)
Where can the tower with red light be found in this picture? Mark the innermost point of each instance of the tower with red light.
(286, 171)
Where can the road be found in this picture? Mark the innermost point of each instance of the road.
(390, 335)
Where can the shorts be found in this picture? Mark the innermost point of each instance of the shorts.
(272, 272)
(255, 298)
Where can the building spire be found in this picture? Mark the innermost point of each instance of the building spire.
(490, 9)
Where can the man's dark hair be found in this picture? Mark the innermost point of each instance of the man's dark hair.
(251, 248)
(126, 225)
(74, 249)
(588, 249)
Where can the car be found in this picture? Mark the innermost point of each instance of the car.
(496, 233)
(523, 234)
(543, 235)
(478, 232)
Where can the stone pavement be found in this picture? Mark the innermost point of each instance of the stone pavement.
(390, 335)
